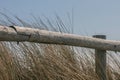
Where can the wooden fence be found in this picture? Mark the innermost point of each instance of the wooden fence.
(97, 42)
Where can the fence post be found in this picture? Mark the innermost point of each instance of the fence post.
(100, 60)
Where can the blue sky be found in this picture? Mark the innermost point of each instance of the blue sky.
(90, 16)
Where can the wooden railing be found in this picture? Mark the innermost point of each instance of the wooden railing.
(21, 34)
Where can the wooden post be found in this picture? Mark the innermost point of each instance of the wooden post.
(100, 61)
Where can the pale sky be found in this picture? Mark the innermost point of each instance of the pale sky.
(90, 16)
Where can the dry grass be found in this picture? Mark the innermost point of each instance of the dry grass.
(42, 62)
(32, 61)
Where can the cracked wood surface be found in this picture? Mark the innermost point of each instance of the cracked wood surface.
(50, 37)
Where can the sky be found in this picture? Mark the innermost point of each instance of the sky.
(90, 17)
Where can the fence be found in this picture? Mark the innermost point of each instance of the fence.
(21, 34)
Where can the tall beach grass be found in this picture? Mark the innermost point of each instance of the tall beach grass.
(35, 61)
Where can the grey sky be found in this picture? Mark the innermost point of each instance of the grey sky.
(90, 16)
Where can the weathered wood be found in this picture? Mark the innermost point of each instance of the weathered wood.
(100, 61)
(49, 37)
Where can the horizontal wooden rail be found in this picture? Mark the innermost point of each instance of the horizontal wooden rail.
(43, 36)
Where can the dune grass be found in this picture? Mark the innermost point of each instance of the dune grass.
(33, 61)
